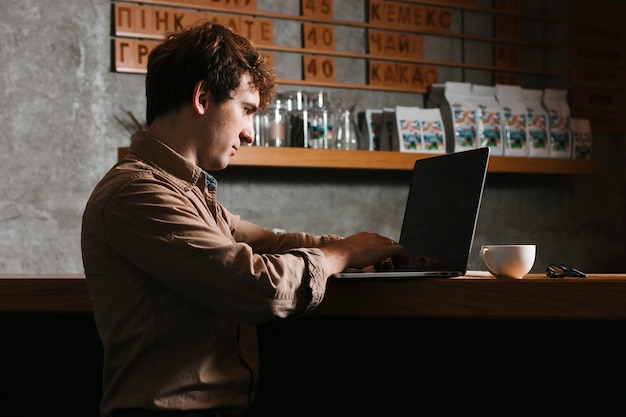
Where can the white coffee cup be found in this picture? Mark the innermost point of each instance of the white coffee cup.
(508, 261)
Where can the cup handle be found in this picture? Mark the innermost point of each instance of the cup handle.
(486, 256)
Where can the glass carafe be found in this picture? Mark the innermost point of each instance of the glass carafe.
(348, 135)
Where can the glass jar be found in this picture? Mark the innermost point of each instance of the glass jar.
(321, 120)
(273, 124)
(258, 140)
(295, 103)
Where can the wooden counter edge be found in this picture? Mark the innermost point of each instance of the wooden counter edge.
(598, 297)
(44, 293)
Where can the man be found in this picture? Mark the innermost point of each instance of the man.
(177, 282)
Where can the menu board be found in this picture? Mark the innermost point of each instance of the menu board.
(394, 33)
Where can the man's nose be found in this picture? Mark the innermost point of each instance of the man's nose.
(247, 136)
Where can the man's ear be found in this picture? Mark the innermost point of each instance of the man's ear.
(201, 97)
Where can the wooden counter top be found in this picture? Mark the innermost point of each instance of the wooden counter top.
(601, 296)
(534, 297)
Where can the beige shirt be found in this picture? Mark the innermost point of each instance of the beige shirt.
(177, 284)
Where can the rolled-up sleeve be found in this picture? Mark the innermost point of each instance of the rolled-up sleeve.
(199, 252)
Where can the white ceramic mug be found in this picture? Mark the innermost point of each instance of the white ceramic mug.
(508, 261)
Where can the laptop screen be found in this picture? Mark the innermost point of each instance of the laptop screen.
(442, 207)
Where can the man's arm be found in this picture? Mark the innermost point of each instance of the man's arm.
(357, 251)
(361, 250)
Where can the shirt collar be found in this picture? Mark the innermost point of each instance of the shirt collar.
(165, 158)
(209, 180)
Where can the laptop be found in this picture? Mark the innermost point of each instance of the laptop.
(441, 214)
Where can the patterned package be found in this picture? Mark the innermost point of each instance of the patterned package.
(372, 127)
(388, 131)
(559, 123)
(581, 133)
(460, 112)
(420, 130)
(433, 131)
(488, 118)
(514, 117)
(409, 129)
(537, 123)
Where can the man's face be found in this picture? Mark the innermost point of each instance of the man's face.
(228, 125)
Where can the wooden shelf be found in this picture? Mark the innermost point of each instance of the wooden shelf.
(385, 160)
(253, 156)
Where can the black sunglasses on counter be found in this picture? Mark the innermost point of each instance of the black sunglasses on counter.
(562, 271)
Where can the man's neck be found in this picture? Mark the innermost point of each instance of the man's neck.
(173, 131)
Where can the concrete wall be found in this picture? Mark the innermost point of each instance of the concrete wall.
(61, 110)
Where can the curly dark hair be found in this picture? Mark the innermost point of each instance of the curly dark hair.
(205, 51)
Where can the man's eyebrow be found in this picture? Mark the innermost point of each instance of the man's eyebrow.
(252, 105)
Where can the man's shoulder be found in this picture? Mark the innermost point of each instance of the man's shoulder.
(134, 179)
(126, 173)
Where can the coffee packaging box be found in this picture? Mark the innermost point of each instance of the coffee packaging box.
(459, 111)
(560, 130)
(409, 129)
(488, 118)
(537, 135)
(433, 131)
(420, 130)
(436, 99)
(581, 134)
(388, 130)
(363, 130)
(373, 122)
(514, 120)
